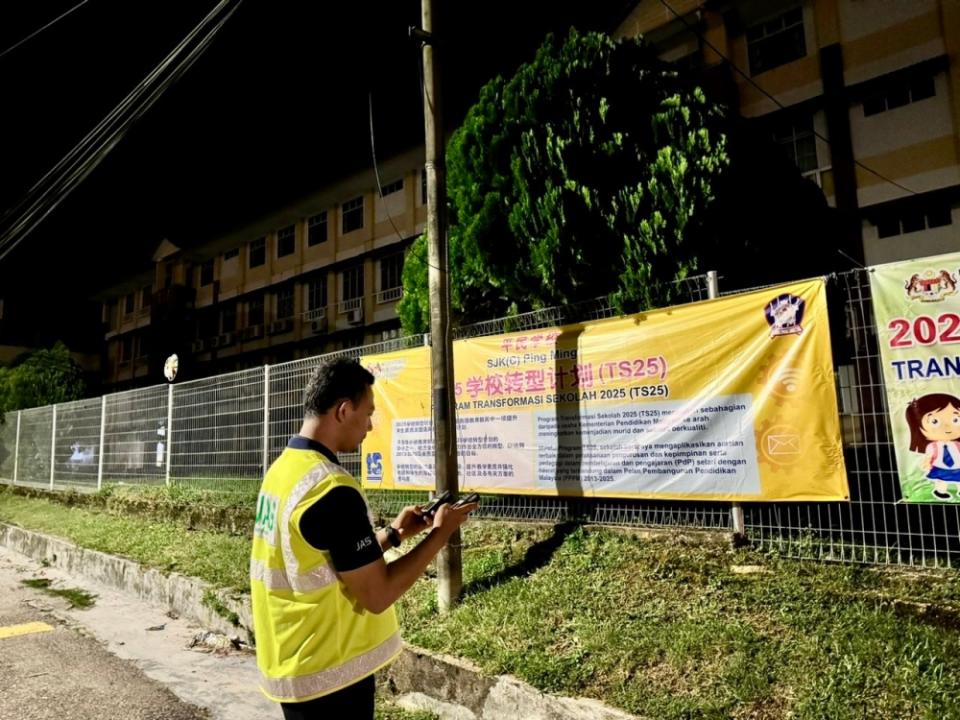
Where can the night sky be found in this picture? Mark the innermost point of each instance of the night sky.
(276, 108)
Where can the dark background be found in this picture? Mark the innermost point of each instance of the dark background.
(276, 108)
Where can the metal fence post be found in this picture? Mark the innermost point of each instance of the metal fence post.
(736, 510)
(266, 417)
(169, 437)
(53, 445)
(16, 449)
(103, 429)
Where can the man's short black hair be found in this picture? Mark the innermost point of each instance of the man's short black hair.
(336, 379)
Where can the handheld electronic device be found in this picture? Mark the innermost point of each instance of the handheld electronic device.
(431, 507)
(467, 499)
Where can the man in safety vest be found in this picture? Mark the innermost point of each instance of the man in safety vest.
(321, 592)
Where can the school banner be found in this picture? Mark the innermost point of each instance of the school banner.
(728, 399)
(917, 310)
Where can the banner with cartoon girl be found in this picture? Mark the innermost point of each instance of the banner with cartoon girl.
(917, 308)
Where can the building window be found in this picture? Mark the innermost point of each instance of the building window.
(391, 271)
(208, 323)
(126, 349)
(142, 346)
(206, 273)
(423, 186)
(795, 136)
(899, 93)
(909, 220)
(776, 41)
(352, 215)
(317, 293)
(284, 298)
(286, 241)
(128, 304)
(351, 283)
(228, 318)
(317, 229)
(255, 311)
(146, 296)
(231, 254)
(258, 252)
(391, 188)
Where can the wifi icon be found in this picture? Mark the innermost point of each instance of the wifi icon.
(788, 381)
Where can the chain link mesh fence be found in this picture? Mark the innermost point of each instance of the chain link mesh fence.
(216, 434)
(135, 436)
(77, 444)
(8, 444)
(224, 431)
(34, 448)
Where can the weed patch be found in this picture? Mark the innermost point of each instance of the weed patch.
(75, 596)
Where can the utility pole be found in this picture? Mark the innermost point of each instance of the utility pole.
(449, 565)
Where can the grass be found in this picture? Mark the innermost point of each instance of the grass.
(663, 627)
(213, 602)
(240, 494)
(75, 596)
(219, 558)
(386, 710)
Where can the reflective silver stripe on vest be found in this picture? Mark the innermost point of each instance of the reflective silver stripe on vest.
(309, 481)
(277, 578)
(273, 578)
(326, 681)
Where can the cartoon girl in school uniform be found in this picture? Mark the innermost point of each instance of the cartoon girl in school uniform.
(934, 422)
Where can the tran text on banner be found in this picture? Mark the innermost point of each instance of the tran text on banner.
(917, 309)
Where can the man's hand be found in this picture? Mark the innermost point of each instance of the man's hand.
(377, 585)
(410, 522)
(448, 518)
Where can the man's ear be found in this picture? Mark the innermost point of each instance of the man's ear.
(341, 413)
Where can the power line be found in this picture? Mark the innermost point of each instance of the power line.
(770, 97)
(103, 127)
(47, 193)
(40, 30)
(376, 172)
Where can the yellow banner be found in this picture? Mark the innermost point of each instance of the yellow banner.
(728, 399)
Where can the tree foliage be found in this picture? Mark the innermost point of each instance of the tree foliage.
(578, 177)
(45, 377)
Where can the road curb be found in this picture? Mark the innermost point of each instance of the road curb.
(182, 594)
(453, 688)
(456, 689)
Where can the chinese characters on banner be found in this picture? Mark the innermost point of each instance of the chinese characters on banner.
(729, 399)
(917, 310)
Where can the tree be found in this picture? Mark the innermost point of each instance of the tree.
(45, 377)
(579, 177)
(767, 224)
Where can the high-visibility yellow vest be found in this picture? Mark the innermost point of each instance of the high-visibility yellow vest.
(312, 636)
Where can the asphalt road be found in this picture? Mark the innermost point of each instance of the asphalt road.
(51, 668)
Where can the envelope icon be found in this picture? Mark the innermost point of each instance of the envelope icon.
(783, 444)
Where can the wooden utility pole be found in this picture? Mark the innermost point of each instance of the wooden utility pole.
(449, 566)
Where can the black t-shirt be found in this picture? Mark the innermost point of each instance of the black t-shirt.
(338, 522)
